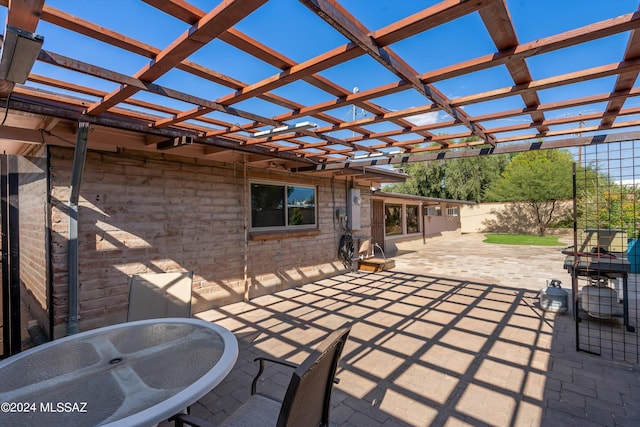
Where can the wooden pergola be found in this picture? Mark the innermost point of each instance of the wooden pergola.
(152, 108)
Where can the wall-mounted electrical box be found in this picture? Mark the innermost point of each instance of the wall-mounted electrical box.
(341, 214)
(354, 201)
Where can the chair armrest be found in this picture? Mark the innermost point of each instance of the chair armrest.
(261, 368)
(181, 420)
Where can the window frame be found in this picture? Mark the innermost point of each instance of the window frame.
(400, 219)
(453, 211)
(417, 218)
(437, 210)
(286, 227)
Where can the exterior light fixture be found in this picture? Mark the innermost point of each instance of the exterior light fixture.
(284, 129)
(174, 142)
(20, 50)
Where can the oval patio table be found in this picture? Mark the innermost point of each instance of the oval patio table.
(130, 374)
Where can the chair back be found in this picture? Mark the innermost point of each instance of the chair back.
(308, 397)
(366, 249)
(159, 295)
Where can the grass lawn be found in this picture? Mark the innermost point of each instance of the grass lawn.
(522, 239)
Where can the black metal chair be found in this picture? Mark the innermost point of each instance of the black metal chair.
(308, 397)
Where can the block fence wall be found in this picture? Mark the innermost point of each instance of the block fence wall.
(33, 234)
(144, 213)
(505, 217)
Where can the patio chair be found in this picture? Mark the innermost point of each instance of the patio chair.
(367, 260)
(159, 295)
(308, 397)
(366, 249)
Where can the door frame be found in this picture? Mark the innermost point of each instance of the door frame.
(377, 223)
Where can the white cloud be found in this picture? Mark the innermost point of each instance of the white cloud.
(423, 119)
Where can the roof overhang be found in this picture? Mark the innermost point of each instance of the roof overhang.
(421, 199)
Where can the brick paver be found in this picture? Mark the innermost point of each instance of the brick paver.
(431, 345)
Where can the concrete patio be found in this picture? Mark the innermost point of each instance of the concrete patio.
(444, 339)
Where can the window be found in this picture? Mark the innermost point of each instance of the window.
(412, 219)
(282, 206)
(392, 219)
(452, 211)
(434, 211)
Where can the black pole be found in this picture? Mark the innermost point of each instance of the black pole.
(14, 256)
(6, 309)
(576, 261)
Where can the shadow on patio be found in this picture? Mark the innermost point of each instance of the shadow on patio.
(429, 351)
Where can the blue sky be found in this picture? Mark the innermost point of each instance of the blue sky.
(288, 27)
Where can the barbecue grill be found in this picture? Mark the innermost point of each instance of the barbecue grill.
(601, 258)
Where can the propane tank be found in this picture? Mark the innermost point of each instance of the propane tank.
(599, 300)
(553, 298)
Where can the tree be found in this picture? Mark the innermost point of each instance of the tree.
(426, 179)
(538, 180)
(604, 203)
(468, 178)
(460, 179)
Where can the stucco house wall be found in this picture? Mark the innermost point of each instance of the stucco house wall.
(440, 225)
(436, 217)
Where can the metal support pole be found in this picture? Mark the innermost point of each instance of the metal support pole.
(576, 261)
(12, 332)
(74, 196)
(245, 218)
(6, 308)
(14, 255)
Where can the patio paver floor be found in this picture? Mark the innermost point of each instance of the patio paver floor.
(430, 350)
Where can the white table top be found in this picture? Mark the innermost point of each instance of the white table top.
(130, 374)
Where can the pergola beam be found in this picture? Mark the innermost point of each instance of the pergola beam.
(504, 149)
(625, 80)
(253, 47)
(353, 30)
(208, 28)
(628, 67)
(418, 22)
(498, 22)
(387, 124)
(72, 112)
(584, 34)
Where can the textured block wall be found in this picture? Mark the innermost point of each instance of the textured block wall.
(33, 219)
(144, 213)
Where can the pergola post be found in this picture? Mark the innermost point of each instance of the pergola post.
(10, 256)
(74, 196)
